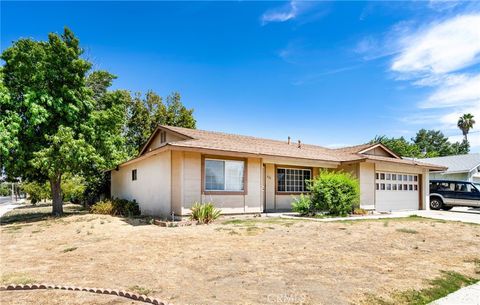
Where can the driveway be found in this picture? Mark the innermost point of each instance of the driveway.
(456, 214)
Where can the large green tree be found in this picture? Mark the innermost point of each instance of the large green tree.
(145, 113)
(57, 125)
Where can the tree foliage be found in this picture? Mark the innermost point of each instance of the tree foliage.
(426, 143)
(145, 113)
(59, 119)
(465, 123)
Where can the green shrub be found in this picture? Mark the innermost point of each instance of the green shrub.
(36, 191)
(117, 206)
(334, 193)
(204, 213)
(303, 205)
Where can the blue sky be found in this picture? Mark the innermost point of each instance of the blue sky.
(328, 73)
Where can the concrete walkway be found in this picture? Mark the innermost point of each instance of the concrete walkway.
(7, 205)
(466, 296)
(456, 214)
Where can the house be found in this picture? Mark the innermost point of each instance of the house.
(241, 174)
(460, 167)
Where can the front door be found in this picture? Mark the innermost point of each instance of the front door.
(264, 186)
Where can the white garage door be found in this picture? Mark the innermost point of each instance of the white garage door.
(396, 191)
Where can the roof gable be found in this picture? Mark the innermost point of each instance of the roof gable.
(375, 149)
(155, 141)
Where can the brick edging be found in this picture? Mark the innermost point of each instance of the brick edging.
(116, 292)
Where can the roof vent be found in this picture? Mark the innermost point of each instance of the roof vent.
(288, 140)
(299, 144)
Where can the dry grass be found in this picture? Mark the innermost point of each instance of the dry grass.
(254, 261)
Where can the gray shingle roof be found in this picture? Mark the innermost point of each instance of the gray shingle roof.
(458, 163)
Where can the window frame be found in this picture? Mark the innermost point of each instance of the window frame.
(277, 192)
(134, 174)
(224, 192)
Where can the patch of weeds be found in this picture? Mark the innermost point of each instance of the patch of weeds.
(102, 222)
(385, 223)
(17, 278)
(439, 287)
(37, 231)
(141, 290)
(78, 231)
(254, 230)
(475, 261)
(233, 232)
(69, 249)
(89, 233)
(408, 231)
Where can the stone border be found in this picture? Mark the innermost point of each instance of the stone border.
(120, 293)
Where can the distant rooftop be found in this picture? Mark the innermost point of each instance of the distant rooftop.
(458, 163)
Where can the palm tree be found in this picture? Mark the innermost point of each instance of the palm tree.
(465, 123)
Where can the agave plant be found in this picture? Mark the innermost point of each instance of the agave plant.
(204, 213)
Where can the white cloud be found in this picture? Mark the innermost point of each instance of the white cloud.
(441, 48)
(461, 93)
(292, 10)
(433, 57)
(284, 13)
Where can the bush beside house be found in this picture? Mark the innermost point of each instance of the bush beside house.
(121, 207)
(331, 193)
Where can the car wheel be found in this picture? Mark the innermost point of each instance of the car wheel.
(436, 203)
(446, 208)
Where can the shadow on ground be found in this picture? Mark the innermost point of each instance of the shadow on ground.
(34, 213)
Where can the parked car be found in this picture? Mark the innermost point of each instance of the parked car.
(445, 194)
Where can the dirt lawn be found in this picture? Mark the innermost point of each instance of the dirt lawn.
(259, 261)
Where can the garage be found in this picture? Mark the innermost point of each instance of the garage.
(395, 191)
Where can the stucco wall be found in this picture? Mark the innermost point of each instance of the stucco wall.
(187, 175)
(367, 185)
(151, 189)
(439, 176)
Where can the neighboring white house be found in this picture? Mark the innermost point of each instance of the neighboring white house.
(460, 167)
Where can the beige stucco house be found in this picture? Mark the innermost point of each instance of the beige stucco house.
(241, 174)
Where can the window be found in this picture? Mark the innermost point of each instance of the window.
(394, 177)
(389, 187)
(399, 187)
(224, 175)
(382, 176)
(134, 175)
(394, 187)
(382, 186)
(292, 180)
(389, 177)
(410, 187)
(378, 186)
(465, 187)
(163, 136)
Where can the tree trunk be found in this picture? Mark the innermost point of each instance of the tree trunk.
(57, 200)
